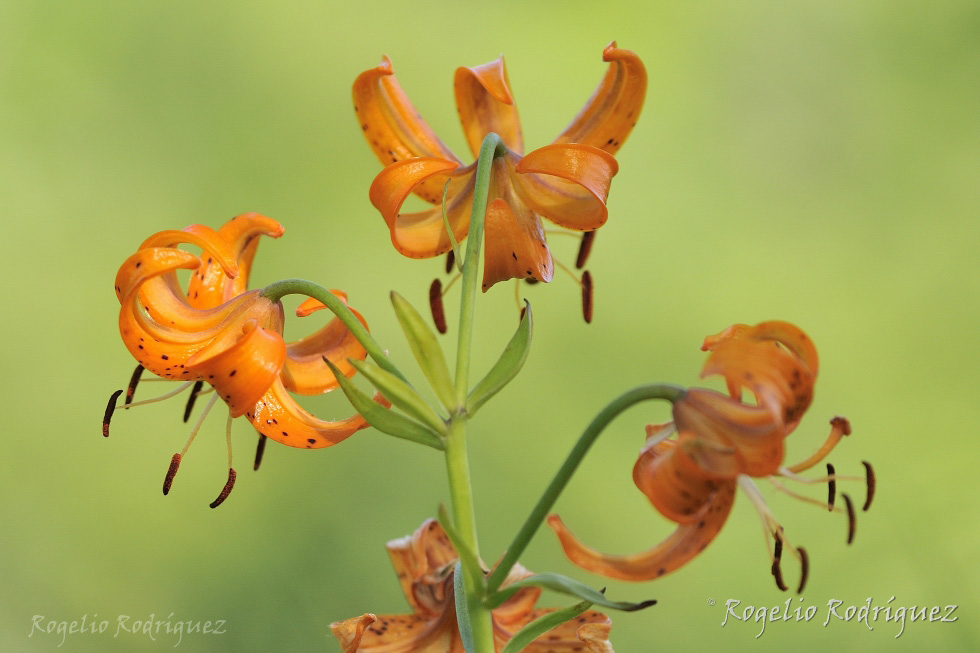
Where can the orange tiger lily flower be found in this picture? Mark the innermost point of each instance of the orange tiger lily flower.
(566, 182)
(424, 563)
(220, 334)
(721, 444)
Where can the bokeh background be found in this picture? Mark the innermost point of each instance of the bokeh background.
(809, 161)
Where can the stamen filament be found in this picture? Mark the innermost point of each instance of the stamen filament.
(173, 393)
(197, 427)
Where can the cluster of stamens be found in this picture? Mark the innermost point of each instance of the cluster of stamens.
(197, 390)
(773, 529)
(437, 291)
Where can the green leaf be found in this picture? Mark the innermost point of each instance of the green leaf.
(565, 585)
(506, 367)
(462, 610)
(462, 549)
(428, 353)
(400, 394)
(541, 625)
(383, 419)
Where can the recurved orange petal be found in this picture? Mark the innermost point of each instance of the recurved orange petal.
(278, 417)
(163, 346)
(567, 184)
(304, 371)
(611, 113)
(423, 234)
(681, 546)
(162, 296)
(393, 127)
(673, 482)
(722, 421)
(209, 285)
(486, 105)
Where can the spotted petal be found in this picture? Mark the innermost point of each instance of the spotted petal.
(277, 416)
(612, 111)
(393, 127)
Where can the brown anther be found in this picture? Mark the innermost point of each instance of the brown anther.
(584, 249)
(109, 410)
(226, 490)
(587, 297)
(169, 479)
(842, 424)
(450, 261)
(435, 303)
(133, 381)
(778, 548)
(831, 487)
(531, 281)
(259, 450)
(190, 400)
(778, 575)
(851, 518)
(869, 474)
(804, 569)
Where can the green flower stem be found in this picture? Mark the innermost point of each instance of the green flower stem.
(666, 391)
(457, 464)
(492, 148)
(280, 289)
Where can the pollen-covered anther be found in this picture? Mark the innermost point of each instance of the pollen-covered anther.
(584, 249)
(831, 487)
(259, 451)
(171, 472)
(190, 400)
(587, 292)
(450, 261)
(435, 305)
(804, 568)
(851, 518)
(226, 490)
(109, 410)
(133, 381)
(777, 572)
(869, 474)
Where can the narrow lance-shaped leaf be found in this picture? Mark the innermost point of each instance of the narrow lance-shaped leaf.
(400, 394)
(383, 419)
(543, 624)
(462, 548)
(428, 353)
(506, 367)
(463, 610)
(565, 585)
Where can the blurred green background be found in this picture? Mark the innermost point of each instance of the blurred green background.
(809, 161)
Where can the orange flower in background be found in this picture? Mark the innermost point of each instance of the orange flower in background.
(566, 182)
(721, 444)
(219, 334)
(424, 563)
